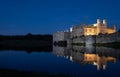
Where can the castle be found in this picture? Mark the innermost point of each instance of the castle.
(93, 29)
(84, 30)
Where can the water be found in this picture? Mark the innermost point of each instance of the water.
(71, 60)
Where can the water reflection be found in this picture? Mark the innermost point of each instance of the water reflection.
(97, 56)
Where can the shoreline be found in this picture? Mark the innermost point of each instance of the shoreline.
(115, 45)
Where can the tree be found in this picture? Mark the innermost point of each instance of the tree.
(29, 34)
(119, 30)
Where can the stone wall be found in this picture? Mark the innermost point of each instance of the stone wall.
(77, 31)
(102, 38)
(62, 36)
(106, 38)
(78, 40)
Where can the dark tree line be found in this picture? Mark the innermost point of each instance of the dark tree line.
(119, 30)
(29, 36)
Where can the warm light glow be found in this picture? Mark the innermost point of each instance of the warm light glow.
(94, 24)
(71, 29)
(96, 28)
(94, 63)
(97, 60)
(71, 58)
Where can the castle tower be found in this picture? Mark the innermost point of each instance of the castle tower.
(105, 22)
(104, 27)
(98, 26)
(115, 27)
(98, 21)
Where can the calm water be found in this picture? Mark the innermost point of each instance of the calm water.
(72, 60)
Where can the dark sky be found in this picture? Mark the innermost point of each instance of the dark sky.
(47, 16)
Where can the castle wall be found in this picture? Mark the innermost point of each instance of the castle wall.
(89, 40)
(62, 36)
(58, 36)
(78, 40)
(103, 29)
(81, 34)
(109, 31)
(106, 38)
(77, 31)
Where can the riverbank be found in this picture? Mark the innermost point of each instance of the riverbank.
(115, 45)
(27, 42)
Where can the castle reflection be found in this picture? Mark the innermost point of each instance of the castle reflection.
(97, 56)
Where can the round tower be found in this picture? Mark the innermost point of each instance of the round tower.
(114, 27)
(98, 21)
(104, 29)
(98, 26)
(105, 22)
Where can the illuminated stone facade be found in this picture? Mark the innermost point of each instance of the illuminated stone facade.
(93, 29)
(77, 33)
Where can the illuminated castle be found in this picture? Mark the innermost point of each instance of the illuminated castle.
(93, 29)
(76, 33)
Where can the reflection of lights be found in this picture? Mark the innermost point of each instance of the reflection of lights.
(98, 67)
(67, 57)
(71, 29)
(104, 67)
(94, 63)
(71, 58)
(94, 24)
(87, 58)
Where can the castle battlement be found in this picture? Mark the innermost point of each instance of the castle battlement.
(84, 30)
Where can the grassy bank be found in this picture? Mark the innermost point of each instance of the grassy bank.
(28, 45)
(115, 45)
(27, 42)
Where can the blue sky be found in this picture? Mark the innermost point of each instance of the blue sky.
(19, 17)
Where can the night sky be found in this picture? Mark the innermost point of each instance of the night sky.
(19, 17)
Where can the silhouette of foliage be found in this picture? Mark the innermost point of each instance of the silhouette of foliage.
(119, 30)
(29, 41)
(29, 36)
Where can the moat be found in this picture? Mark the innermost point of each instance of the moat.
(73, 61)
